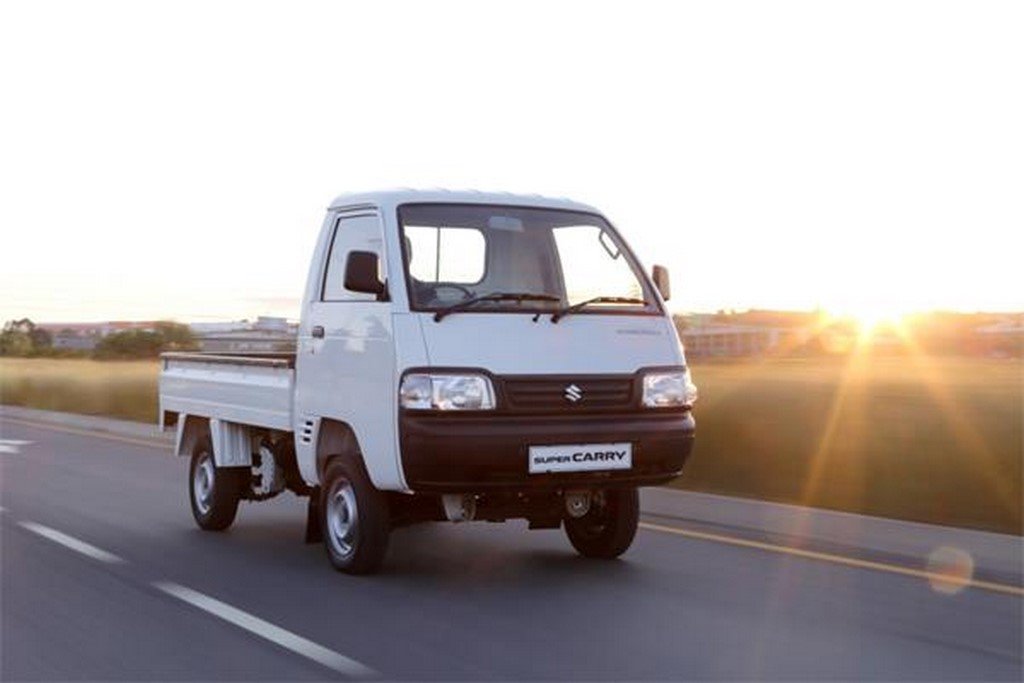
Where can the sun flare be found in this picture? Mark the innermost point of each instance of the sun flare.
(870, 319)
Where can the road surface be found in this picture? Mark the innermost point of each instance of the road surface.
(103, 576)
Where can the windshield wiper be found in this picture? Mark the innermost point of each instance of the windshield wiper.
(494, 296)
(569, 310)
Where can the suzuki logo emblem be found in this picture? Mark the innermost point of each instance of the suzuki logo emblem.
(573, 393)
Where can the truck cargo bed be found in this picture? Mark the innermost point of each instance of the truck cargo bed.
(244, 388)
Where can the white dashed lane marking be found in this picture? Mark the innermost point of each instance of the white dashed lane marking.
(72, 543)
(12, 446)
(264, 629)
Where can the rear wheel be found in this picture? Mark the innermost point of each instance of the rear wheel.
(607, 530)
(213, 491)
(354, 518)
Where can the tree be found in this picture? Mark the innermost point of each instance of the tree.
(131, 344)
(22, 337)
(14, 343)
(176, 337)
(41, 339)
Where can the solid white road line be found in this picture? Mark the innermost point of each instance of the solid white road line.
(263, 629)
(72, 543)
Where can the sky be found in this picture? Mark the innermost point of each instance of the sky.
(174, 160)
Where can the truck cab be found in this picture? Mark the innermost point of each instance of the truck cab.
(460, 356)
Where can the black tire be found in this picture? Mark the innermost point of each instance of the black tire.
(354, 517)
(213, 491)
(608, 529)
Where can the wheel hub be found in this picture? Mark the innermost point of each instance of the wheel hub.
(342, 518)
(202, 483)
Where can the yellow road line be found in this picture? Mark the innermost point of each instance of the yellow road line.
(152, 443)
(835, 559)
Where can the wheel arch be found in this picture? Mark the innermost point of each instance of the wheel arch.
(335, 438)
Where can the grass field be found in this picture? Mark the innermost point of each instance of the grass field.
(122, 389)
(928, 439)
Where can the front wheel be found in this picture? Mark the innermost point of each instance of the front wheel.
(353, 518)
(213, 491)
(607, 530)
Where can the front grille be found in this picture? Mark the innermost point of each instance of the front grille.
(555, 394)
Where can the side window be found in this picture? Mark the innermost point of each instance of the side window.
(351, 233)
(446, 254)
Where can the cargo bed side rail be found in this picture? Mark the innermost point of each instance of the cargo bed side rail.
(280, 360)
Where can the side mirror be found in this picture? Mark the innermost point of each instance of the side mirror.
(361, 269)
(660, 276)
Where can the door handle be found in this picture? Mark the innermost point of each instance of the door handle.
(318, 331)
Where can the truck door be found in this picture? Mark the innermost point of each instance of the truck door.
(346, 356)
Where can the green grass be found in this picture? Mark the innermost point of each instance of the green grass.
(937, 440)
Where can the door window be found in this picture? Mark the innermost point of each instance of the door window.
(352, 233)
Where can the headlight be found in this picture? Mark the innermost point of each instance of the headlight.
(669, 389)
(446, 392)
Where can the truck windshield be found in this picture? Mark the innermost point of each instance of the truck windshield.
(455, 252)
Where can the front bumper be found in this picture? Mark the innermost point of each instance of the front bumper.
(487, 452)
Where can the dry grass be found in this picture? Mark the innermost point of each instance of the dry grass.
(930, 439)
(123, 389)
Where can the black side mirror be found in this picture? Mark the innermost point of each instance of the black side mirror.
(660, 276)
(361, 269)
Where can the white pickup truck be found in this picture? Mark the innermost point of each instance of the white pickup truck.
(460, 356)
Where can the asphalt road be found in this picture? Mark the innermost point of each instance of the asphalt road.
(104, 576)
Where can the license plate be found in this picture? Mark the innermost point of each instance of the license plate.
(588, 457)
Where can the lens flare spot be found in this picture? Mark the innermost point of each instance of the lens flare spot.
(952, 569)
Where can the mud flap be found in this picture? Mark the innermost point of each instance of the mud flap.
(314, 534)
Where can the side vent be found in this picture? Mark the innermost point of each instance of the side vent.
(307, 432)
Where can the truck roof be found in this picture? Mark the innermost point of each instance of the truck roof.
(392, 198)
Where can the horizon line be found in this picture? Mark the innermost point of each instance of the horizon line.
(673, 313)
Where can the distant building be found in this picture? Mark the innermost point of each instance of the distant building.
(717, 339)
(73, 341)
(748, 333)
(266, 335)
(1004, 338)
(85, 336)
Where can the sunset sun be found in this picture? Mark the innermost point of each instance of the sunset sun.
(870, 318)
